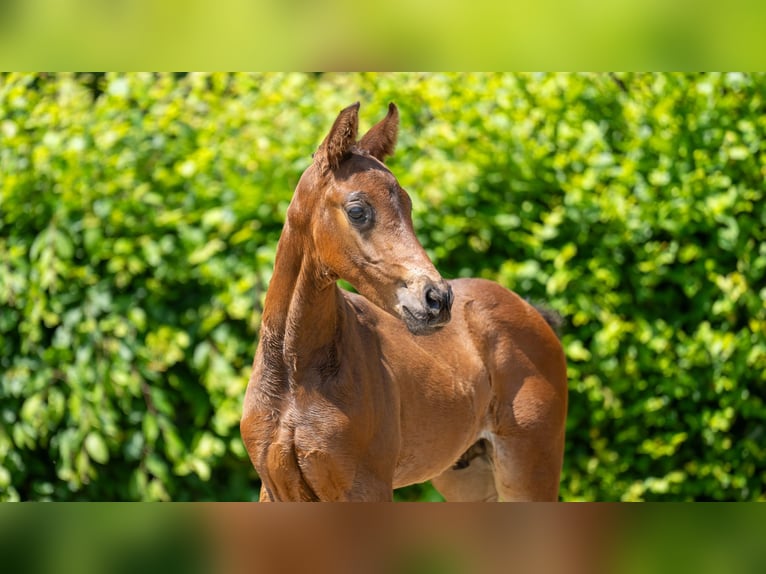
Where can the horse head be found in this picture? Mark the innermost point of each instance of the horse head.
(357, 220)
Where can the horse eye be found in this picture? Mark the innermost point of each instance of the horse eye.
(357, 214)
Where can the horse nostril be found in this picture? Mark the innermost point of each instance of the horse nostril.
(434, 300)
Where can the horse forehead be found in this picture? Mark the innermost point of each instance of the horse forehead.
(368, 171)
(374, 182)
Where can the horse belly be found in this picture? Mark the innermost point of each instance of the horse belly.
(440, 420)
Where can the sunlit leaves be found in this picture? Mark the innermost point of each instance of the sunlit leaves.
(115, 220)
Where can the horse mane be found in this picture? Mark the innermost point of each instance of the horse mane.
(554, 319)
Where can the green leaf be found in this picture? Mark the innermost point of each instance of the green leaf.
(96, 448)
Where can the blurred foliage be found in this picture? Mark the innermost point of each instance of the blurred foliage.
(139, 216)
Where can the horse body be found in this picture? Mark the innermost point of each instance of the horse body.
(460, 382)
(439, 387)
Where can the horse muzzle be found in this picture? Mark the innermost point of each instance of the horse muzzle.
(425, 306)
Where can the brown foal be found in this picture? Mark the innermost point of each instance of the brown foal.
(460, 382)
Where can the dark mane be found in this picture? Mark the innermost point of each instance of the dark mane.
(553, 318)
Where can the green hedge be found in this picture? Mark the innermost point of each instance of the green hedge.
(139, 216)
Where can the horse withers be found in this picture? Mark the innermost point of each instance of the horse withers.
(415, 378)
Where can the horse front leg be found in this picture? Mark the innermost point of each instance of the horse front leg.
(332, 481)
(264, 495)
(368, 487)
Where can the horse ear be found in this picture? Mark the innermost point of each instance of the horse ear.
(340, 140)
(380, 141)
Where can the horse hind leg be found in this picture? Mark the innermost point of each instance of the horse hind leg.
(528, 441)
(526, 469)
(471, 478)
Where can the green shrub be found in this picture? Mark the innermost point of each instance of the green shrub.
(139, 216)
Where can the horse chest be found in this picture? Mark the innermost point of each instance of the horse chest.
(323, 438)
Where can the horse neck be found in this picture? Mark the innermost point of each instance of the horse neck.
(300, 315)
